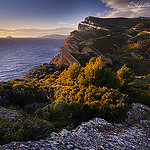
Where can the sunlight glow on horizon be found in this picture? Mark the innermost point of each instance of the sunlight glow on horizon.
(30, 32)
(34, 18)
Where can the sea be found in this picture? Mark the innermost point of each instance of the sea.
(18, 55)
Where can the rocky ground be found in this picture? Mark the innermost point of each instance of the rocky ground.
(9, 114)
(98, 134)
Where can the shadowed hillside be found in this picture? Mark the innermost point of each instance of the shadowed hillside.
(102, 71)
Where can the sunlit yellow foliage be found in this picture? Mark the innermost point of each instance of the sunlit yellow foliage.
(125, 75)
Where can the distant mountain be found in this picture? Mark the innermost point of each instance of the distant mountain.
(9, 37)
(55, 36)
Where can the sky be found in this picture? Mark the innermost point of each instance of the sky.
(33, 18)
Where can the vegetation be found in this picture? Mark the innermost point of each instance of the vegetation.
(63, 99)
(51, 97)
(24, 129)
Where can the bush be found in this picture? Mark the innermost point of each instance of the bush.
(24, 129)
(94, 73)
(63, 114)
(69, 77)
(22, 94)
(97, 73)
(106, 103)
(113, 106)
(125, 76)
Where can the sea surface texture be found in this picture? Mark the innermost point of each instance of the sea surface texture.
(17, 56)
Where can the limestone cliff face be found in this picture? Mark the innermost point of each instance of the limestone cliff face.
(105, 37)
(77, 44)
(71, 47)
(64, 57)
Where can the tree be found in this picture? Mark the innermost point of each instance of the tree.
(68, 77)
(98, 74)
(125, 76)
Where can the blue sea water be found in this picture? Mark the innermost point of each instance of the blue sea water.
(18, 55)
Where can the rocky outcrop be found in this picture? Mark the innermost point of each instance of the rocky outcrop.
(98, 134)
(86, 50)
(90, 26)
(136, 56)
(64, 57)
(79, 43)
(108, 60)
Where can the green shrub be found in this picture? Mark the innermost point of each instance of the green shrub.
(107, 103)
(125, 76)
(69, 77)
(97, 73)
(63, 114)
(24, 129)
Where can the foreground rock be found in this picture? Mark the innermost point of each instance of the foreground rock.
(134, 133)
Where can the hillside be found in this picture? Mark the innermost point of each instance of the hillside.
(98, 134)
(102, 72)
(117, 40)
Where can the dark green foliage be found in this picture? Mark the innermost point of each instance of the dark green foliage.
(24, 129)
(20, 93)
(140, 67)
(64, 100)
(108, 44)
(140, 90)
(41, 71)
(63, 114)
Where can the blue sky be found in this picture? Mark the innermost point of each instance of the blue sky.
(46, 13)
(18, 17)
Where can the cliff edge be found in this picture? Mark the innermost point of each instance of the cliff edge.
(64, 57)
(118, 41)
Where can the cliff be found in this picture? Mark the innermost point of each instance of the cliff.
(117, 40)
(50, 97)
(64, 57)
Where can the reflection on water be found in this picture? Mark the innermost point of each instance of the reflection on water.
(17, 56)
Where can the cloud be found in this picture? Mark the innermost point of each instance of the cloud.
(102, 14)
(64, 23)
(34, 32)
(126, 8)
